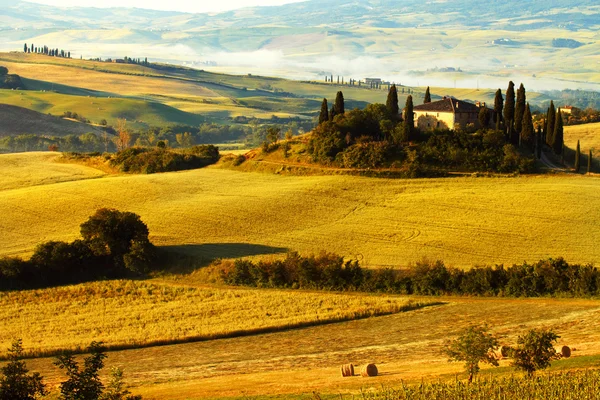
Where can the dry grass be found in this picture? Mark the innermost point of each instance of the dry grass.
(130, 313)
(587, 134)
(221, 213)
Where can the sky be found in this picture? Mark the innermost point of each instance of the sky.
(171, 5)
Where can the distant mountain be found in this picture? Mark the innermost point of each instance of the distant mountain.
(397, 40)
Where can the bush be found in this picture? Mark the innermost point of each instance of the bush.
(149, 161)
(15, 383)
(366, 155)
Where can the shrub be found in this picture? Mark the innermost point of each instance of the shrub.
(15, 383)
(535, 350)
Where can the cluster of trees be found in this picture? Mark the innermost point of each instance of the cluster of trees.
(114, 244)
(330, 272)
(9, 81)
(379, 136)
(46, 50)
(83, 382)
(78, 117)
(475, 344)
(87, 142)
(160, 159)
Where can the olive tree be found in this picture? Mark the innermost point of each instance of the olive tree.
(474, 345)
(535, 350)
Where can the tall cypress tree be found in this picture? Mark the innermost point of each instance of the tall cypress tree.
(509, 107)
(589, 169)
(408, 126)
(550, 121)
(577, 165)
(498, 106)
(527, 132)
(324, 115)
(25, 48)
(520, 108)
(538, 142)
(332, 113)
(557, 138)
(392, 103)
(427, 96)
(339, 103)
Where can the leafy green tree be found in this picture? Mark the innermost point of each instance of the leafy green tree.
(82, 384)
(483, 117)
(527, 130)
(589, 165)
(409, 120)
(392, 103)
(427, 98)
(324, 115)
(509, 106)
(116, 388)
(550, 122)
(520, 108)
(558, 136)
(3, 71)
(15, 382)
(339, 103)
(535, 350)
(498, 106)
(577, 158)
(273, 134)
(474, 345)
(113, 233)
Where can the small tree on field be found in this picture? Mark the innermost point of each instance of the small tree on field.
(535, 350)
(577, 158)
(427, 98)
(15, 383)
(474, 345)
(123, 138)
(82, 384)
(116, 388)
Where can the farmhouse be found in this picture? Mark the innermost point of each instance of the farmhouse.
(568, 109)
(448, 113)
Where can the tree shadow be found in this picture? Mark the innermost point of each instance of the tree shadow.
(189, 257)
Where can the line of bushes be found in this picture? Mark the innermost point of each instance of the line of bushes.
(115, 245)
(552, 277)
(151, 160)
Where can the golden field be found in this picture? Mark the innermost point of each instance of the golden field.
(140, 313)
(587, 134)
(219, 213)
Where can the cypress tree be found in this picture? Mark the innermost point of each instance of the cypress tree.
(392, 103)
(498, 105)
(577, 158)
(538, 142)
(409, 120)
(25, 48)
(527, 133)
(509, 107)
(589, 169)
(324, 115)
(339, 103)
(483, 117)
(557, 138)
(550, 121)
(427, 96)
(332, 113)
(520, 108)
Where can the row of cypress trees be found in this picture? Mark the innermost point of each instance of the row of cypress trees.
(47, 51)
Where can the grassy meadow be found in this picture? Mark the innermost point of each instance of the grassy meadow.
(587, 134)
(220, 213)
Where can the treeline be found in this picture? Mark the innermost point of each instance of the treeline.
(9, 81)
(114, 244)
(46, 50)
(87, 142)
(552, 277)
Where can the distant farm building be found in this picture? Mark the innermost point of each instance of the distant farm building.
(568, 109)
(448, 113)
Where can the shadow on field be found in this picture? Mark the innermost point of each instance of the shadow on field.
(186, 258)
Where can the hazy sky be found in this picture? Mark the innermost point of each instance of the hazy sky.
(172, 5)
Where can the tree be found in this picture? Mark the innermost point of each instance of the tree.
(535, 350)
(273, 134)
(115, 234)
(339, 103)
(116, 388)
(577, 165)
(550, 121)
(557, 137)
(474, 345)
(332, 113)
(527, 132)
(123, 139)
(520, 108)
(324, 115)
(538, 142)
(589, 166)
(15, 383)
(392, 103)
(509, 106)
(498, 106)
(484, 117)
(408, 126)
(82, 384)
(25, 48)
(427, 98)
(3, 71)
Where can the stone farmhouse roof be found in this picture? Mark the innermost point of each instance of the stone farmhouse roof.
(447, 104)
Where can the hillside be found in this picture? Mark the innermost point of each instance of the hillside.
(222, 213)
(19, 120)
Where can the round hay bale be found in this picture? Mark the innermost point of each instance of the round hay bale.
(347, 370)
(369, 370)
(565, 351)
(505, 351)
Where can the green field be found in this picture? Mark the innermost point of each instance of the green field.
(215, 212)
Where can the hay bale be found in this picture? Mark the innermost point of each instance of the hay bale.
(565, 351)
(347, 370)
(369, 370)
